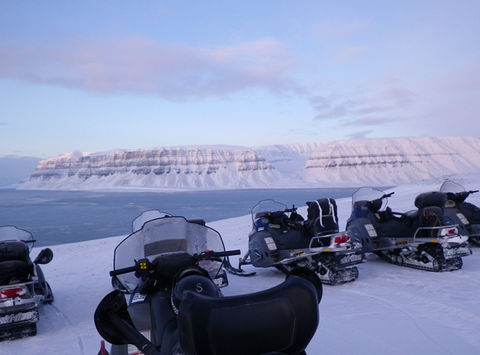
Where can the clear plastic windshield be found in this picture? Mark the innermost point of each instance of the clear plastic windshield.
(146, 216)
(161, 236)
(264, 206)
(451, 186)
(14, 233)
(369, 194)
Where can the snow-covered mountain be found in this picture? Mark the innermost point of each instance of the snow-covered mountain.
(172, 167)
(389, 161)
(343, 163)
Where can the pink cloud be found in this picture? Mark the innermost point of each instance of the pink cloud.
(142, 65)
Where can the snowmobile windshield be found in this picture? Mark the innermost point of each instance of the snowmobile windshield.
(370, 195)
(265, 206)
(451, 186)
(166, 235)
(13, 233)
(146, 216)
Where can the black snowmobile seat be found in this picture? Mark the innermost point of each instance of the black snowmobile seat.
(14, 271)
(278, 218)
(425, 218)
(14, 250)
(428, 199)
(322, 217)
(431, 217)
(327, 206)
(280, 320)
(15, 263)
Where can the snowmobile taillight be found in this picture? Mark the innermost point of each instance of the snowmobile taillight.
(13, 292)
(449, 232)
(341, 239)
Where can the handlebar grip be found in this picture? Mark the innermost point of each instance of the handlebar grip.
(226, 252)
(217, 254)
(122, 271)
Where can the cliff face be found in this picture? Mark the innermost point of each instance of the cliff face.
(159, 167)
(394, 161)
(343, 163)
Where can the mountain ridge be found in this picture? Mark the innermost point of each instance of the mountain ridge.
(375, 161)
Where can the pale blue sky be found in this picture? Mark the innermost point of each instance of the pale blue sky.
(101, 75)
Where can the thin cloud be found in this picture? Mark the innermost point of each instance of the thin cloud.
(360, 134)
(144, 66)
(370, 121)
(357, 106)
(398, 95)
(347, 108)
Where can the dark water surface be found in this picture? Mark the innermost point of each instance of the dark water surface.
(56, 217)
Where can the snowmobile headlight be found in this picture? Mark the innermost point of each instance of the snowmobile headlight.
(12, 292)
(342, 238)
(449, 232)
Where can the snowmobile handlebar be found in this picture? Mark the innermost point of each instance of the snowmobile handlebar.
(142, 266)
(387, 195)
(460, 197)
(290, 210)
(123, 270)
(209, 254)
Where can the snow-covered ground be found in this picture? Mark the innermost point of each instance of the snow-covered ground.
(387, 310)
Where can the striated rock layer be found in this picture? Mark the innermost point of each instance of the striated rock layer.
(342, 163)
(182, 167)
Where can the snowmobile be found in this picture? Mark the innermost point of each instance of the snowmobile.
(22, 284)
(281, 238)
(169, 301)
(418, 239)
(466, 215)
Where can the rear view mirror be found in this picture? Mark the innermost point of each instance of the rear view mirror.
(44, 257)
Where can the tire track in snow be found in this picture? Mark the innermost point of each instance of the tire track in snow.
(408, 314)
(70, 324)
(425, 292)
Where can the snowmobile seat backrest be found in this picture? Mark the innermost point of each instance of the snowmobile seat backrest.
(14, 250)
(323, 213)
(427, 199)
(431, 217)
(282, 319)
(321, 207)
(14, 271)
(325, 225)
